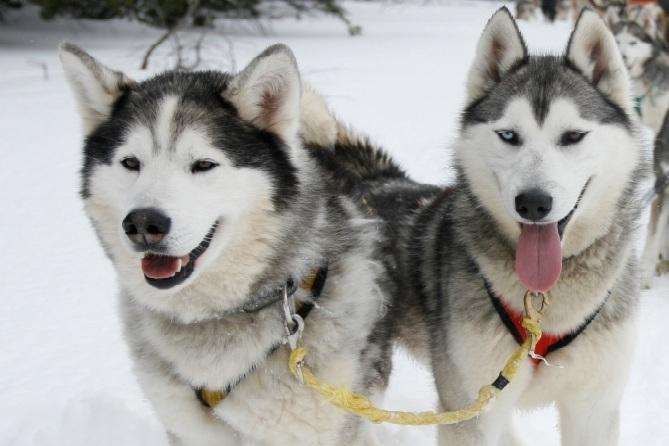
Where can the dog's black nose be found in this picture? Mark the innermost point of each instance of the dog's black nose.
(533, 204)
(146, 227)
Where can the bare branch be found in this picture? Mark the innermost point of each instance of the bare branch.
(172, 32)
(152, 48)
(198, 51)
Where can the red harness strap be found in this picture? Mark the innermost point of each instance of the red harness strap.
(548, 342)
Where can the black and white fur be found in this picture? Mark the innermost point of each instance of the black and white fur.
(645, 55)
(527, 9)
(443, 244)
(267, 213)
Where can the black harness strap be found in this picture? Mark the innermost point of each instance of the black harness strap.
(564, 340)
(503, 315)
(265, 300)
(316, 290)
(200, 398)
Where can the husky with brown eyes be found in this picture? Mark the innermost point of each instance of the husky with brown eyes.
(204, 197)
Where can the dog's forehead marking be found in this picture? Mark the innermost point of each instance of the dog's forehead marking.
(163, 129)
(542, 81)
(561, 112)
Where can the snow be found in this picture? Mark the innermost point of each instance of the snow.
(65, 375)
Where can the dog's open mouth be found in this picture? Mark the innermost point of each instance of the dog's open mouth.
(164, 272)
(562, 224)
(539, 251)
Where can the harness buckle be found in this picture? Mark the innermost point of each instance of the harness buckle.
(293, 325)
(295, 332)
(531, 310)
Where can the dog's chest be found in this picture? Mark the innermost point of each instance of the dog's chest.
(216, 354)
(248, 361)
(591, 364)
(266, 404)
(271, 406)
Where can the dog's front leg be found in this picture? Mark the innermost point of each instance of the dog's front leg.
(590, 423)
(492, 428)
(589, 406)
(461, 366)
(187, 422)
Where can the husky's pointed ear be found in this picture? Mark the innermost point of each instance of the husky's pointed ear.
(95, 86)
(267, 92)
(593, 51)
(500, 47)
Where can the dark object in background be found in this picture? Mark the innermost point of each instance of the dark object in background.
(174, 16)
(549, 8)
(168, 14)
(664, 4)
(9, 4)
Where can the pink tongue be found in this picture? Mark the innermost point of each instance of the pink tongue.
(539, 256)
(160, 267)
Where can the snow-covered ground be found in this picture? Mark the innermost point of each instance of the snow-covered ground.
(65, 376)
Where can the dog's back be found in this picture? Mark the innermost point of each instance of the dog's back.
(366, 173)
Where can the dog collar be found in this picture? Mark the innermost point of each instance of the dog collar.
(313, 283)
(548, 342)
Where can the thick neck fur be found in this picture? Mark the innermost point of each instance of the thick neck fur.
(587, 277)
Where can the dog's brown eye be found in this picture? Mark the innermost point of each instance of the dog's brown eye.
(572, 137)
(203, 166)
(130, 163)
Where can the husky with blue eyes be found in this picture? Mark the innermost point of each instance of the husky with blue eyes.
(212, 212)
(550, 173)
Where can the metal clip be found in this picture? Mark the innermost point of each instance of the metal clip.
(530, 309)
(295, 334)
(288, 310)
(293, 323)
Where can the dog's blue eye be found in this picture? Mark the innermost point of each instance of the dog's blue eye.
(131, 163)
(509, 137)
(571, 137)
(203, 166)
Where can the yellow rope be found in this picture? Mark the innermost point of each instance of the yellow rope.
(360, 405)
